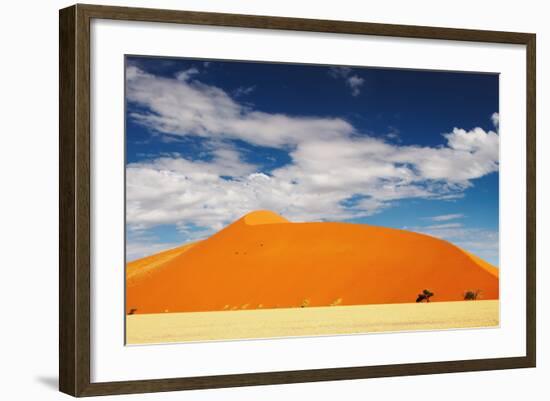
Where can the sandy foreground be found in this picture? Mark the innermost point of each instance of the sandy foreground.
(268, 323)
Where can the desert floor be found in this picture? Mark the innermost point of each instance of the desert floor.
(266, 323)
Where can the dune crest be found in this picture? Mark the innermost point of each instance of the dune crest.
(259, 217)
(264, 261)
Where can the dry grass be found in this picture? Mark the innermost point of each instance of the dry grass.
(268, 323)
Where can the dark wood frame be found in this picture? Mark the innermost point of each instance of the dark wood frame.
(74, 200)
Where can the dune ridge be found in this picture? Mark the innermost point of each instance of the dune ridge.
(264, 261)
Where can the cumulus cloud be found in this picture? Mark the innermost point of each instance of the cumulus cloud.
(314, 186)
(334, 172)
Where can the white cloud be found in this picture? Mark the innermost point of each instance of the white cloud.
(443, 226)
(352, 80)
(186, 74)
(355, 83)
(468, 155)
(244, 90)
(481, 242)
(321, 176)
(330, 163)
(495, 118)
(446, 217)
(139, 249)
(339, 72)
(393, 134)
(183, 107)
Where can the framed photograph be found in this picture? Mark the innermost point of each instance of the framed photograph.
(250, 200)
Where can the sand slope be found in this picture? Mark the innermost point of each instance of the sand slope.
(139, 268)
(264, 261)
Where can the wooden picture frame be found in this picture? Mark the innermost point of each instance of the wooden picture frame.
(74, 203)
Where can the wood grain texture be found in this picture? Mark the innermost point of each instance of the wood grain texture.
(67, 293)
(301, 376)
(74, 199)
(301, 24)
(531, 304)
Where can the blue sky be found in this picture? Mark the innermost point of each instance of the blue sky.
(208, 141)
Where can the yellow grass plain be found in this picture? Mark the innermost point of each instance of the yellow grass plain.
(294, 322)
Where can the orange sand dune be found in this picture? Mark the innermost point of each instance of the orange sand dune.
(264, 261)
(140, 267)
